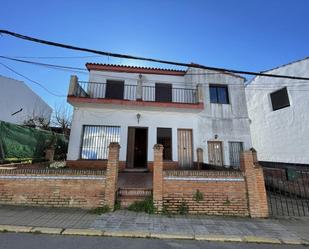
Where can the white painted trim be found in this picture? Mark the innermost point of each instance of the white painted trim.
(204, 179)
(53, 177)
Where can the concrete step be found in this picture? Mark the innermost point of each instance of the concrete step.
(127, 196)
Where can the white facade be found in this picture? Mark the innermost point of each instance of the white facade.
(214, 122)
(281, 135)
(16, 96)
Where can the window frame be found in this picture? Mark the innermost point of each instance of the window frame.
(82, 141)
(110, 82)
(159, 86)
(217, 99)
(283, 106)
(171, 138)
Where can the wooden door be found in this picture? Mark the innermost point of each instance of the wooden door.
(163, 92)
(114, 89)
(130, 147)
(215, 155)
(140, 148)
(185, 148)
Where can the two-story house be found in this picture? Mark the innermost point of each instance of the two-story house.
(139, 106)
(278, 109)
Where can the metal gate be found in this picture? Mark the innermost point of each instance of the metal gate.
(287, 191)
(235, 148)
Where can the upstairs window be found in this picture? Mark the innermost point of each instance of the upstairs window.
(219, 94)
(114, 89)
(280, 99)
(164, 137)
(164, 92)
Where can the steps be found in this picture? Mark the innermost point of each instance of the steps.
(127, 196)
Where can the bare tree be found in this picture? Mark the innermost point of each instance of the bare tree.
(38, 118)
(62, 118)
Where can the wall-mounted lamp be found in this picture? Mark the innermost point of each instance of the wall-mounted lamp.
(216, 136)
(138, 116)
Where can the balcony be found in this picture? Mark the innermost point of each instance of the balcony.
(160, 95)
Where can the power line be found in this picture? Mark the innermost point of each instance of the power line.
(261, 86)
(56, 57)
(126, 56)
(33, 81)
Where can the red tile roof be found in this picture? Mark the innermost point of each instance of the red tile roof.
(134, 69)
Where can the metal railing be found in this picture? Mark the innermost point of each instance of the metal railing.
(287, 190)
(130, 92)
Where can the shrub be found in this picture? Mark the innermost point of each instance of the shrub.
(100, 210)
(183, 208)
(117, 205)
(143, 206)
(198, 196)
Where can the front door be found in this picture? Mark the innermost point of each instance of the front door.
(215, 153)
(185, 148)
(137, 147)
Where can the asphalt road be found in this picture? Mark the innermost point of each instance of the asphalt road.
(42, 241)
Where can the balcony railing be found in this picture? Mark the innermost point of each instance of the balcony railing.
(134, 92)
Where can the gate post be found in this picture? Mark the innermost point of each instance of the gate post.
(257, 197)
(158, 177)
(111, 175)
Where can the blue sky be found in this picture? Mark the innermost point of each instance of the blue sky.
(239, 34)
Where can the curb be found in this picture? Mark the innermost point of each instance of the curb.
(143, 234)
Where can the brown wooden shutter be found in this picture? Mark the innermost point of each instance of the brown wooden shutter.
(114, 89)
(164, 92)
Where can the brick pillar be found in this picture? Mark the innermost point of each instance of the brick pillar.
(257, 197)
(158, 177)
(112, 174)
(200, 160)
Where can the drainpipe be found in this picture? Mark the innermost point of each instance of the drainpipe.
(139, 90)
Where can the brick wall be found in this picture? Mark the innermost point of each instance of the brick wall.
(52, 188)
(216, 192)
(211, 192)
(91, 164)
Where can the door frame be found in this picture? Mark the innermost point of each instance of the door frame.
(137, 127)
(222, 154)
(192, 144)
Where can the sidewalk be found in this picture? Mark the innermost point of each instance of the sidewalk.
(130, 224)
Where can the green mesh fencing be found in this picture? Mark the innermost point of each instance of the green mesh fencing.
(19, 143)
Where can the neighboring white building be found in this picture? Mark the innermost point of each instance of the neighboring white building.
(18, 102)
(279, 114)
(139, 107)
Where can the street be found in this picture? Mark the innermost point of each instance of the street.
(39, 241)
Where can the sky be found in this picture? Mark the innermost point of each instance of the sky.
(247, 35)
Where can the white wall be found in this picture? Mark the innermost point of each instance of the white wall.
(229, 122)
(15, 95)
(282, 135)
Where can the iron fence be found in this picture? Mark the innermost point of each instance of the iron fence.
(287, 191)
(130, 92)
